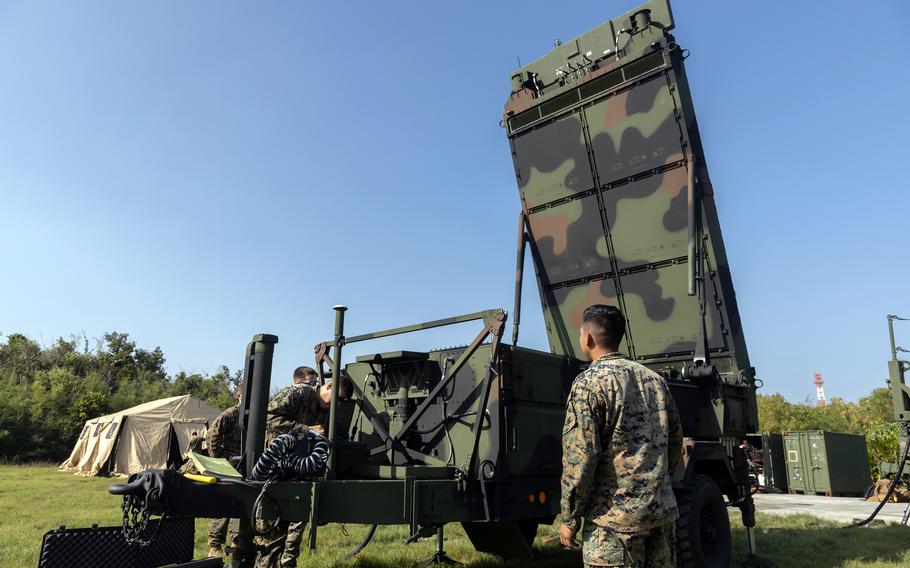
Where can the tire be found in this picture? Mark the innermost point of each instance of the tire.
(703, 529)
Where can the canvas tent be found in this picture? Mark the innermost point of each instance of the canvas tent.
(150, 435)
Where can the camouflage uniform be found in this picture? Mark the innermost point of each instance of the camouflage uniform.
(294, 409)
(622, 438)
(223, 440)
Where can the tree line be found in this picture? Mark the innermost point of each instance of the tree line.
(872, 416)
(48, 392)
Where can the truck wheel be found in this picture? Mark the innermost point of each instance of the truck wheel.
(703, 529)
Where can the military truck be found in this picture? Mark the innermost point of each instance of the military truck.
(616, 207)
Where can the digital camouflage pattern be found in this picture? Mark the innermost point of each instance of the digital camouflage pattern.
(218, 535)
(621, 440)
(280, 546)
(223, 438)
(295, 409)
(655, 548)
(603, 133)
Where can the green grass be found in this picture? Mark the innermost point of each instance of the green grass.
(35, 499)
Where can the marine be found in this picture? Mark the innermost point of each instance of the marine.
(223, 440)
(295, 410)
(622, 439)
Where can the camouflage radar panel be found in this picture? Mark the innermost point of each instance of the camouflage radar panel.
(605, 146)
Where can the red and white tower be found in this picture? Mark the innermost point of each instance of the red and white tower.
(820, 389)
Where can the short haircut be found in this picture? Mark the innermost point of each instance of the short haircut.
(345, 387)
(300, 373)
(606, 324)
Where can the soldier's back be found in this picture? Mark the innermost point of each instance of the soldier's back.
(633, 484)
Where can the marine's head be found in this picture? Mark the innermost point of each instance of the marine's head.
(305, 376)
(602, 330)
(345, 390)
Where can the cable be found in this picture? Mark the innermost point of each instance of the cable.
(363, 543)
(887, 497)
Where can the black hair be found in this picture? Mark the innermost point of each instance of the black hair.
(606, 324)
(345, 387)
(302, 372)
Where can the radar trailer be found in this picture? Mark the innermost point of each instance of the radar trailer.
(616, 207)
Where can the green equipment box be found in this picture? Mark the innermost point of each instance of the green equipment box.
(773, 464)
(827, 463)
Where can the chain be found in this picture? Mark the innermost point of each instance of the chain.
(136, 522)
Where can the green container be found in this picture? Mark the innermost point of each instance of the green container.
(829, 463)
(774, 462)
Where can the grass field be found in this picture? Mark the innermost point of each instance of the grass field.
(35, 499)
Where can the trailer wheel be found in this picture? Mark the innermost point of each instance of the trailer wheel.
(703, 529)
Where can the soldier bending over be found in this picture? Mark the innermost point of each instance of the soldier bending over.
(294, 409)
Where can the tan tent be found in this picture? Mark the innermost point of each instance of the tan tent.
(151, 435)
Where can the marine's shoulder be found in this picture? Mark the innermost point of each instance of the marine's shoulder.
(627, 365)
(617, 368)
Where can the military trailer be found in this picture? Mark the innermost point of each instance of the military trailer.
(616, 207)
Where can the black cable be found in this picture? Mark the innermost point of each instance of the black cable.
(486, 419)
(887, 497)
(363, 543)
(256, 504)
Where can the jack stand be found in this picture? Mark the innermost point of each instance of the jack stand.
(439, 558)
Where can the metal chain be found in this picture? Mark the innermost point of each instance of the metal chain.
(136, 522)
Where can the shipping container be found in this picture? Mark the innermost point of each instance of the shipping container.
(826, 463)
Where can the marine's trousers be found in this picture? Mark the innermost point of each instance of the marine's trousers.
(655, 548)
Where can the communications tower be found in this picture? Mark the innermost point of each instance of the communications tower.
(820, 390)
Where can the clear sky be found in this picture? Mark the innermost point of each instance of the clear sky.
(193, 173)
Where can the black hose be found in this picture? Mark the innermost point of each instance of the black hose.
(887, 497)
(363, 543)
(279, 460)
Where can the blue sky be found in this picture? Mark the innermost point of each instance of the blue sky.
(196, 172)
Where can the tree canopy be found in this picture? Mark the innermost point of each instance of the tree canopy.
(47, 393)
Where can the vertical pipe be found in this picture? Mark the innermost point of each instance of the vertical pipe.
(891, 335)
(336, 376)
(257, 374)
(519, 277)
(259, 363)
(690, 200)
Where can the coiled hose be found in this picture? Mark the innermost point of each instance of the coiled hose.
(887, 497)
(281, 461)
